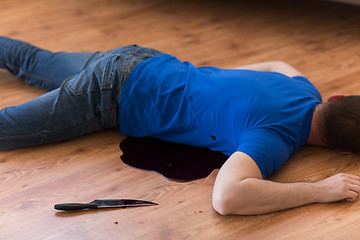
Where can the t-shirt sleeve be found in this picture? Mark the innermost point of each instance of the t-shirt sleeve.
(314, 92)
(267, 148)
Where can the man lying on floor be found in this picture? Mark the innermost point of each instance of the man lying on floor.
(258, 115)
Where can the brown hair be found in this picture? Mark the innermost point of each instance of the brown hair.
(340, 123)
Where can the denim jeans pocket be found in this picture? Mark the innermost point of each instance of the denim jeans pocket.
(96, 77)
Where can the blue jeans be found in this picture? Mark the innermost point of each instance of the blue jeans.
(84, 92)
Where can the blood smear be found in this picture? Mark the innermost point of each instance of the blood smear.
(176, 162)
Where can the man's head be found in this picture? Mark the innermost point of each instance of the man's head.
(339, 123)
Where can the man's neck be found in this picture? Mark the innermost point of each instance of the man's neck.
(315, 137)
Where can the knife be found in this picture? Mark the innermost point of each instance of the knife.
(105, 203)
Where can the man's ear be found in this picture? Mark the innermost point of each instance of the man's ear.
(335, 97)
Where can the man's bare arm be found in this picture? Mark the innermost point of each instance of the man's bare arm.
(240, 189)
(273, 66)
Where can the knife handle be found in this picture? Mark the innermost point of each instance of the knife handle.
(75, 206)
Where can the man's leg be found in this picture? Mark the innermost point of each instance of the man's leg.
(84, 103)
(40, 67)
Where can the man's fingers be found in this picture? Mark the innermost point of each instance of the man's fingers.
(353, 185)
(349, 176)
(354, 177)
(341, 186)
(353, 196)
(355, 188)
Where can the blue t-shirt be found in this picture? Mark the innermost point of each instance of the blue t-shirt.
(266, 115)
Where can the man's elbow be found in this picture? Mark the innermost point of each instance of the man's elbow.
(220, 205)
(225, 203)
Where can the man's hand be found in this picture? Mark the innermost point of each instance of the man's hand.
(339, 187)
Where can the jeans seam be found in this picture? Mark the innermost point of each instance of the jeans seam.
(46, 128)
(95, 55)
(105, 76)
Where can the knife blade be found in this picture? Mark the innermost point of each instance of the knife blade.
(104, 203)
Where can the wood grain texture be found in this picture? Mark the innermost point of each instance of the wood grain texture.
(319, 38)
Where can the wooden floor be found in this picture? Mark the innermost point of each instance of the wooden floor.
(319, 38)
